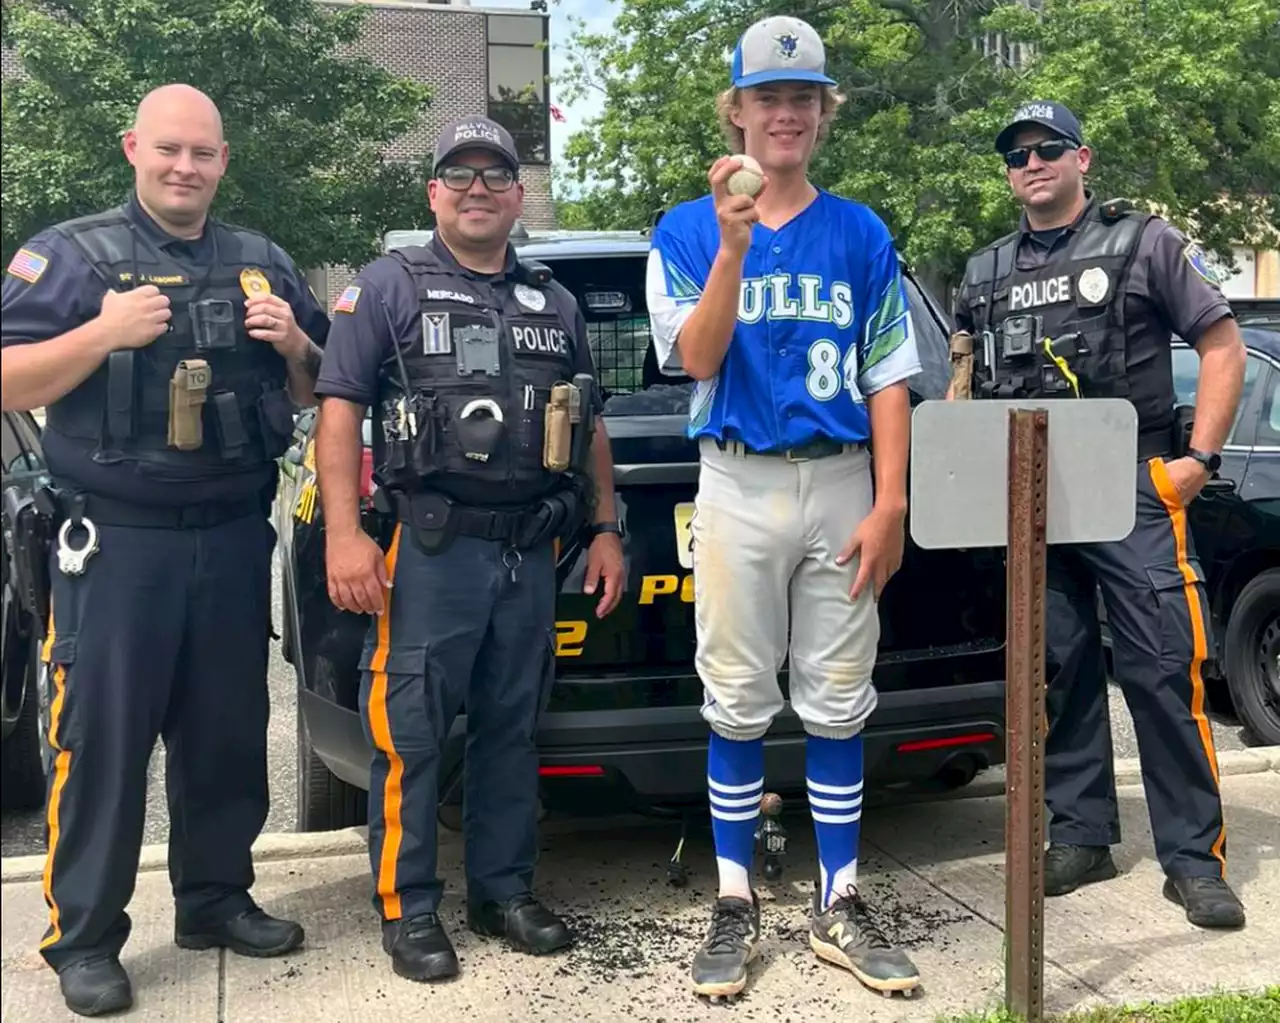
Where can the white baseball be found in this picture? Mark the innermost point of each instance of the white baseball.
(747, 179)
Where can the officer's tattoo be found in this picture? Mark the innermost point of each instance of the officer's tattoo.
(310, 360)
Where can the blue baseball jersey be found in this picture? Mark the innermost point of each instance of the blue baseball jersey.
(822, 322)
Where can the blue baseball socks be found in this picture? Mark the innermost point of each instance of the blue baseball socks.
(735, 784)
(834, 775)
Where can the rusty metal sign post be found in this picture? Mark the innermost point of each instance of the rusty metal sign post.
(1074, 484)
(1025, 713)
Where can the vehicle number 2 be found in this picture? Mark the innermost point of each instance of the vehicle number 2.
(827, 371)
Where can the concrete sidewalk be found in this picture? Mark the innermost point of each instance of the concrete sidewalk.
(934, 870)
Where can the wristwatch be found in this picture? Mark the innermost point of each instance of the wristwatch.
(1210, 460)
(596, 528)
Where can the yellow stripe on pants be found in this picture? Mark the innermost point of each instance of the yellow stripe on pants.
(1172, 502)
(380, 726)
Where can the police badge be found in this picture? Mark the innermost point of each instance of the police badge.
(530, 298)
(1093, 285)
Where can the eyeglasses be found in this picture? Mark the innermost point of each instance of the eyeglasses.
(1049, 151)
(460, 177)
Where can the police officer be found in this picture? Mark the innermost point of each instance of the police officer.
(169, 349)
(1081, 301)
(460, 348)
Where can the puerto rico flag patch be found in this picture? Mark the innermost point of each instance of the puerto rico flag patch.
(27, 265)
(347, 300)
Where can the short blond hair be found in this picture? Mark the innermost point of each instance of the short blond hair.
(729, 101)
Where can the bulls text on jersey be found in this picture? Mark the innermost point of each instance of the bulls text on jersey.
(795, 297)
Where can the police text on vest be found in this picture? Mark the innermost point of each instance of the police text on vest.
(540, 340)
(1037, 293)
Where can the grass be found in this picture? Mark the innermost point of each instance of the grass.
(1263, 1007)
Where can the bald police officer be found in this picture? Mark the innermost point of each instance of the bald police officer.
(169, 349)
(1081, 301)
(460, 348)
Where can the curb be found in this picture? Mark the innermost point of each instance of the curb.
(352, 841)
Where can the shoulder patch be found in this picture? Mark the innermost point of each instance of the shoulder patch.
(27, 265)
(347, 300)
(1195, 255)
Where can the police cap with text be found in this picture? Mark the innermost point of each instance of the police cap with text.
(475, 133)
(1053, 116)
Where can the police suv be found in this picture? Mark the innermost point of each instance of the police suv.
(623, 731)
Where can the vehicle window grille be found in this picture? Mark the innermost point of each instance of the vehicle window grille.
(619, 345)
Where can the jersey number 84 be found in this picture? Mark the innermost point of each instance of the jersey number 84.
(827, 371)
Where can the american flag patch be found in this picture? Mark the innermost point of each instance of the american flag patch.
(27, 265)
(347, 300)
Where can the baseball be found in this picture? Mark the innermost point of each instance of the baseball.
(747, 179)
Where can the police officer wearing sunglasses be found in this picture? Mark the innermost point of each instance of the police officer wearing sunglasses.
(1082, 301)
(477, 370)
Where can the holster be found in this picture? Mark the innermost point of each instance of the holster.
(961, 344)
(29, 528)
(1183, 420)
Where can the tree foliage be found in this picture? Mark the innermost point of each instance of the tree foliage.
(307, 122)
(1180, 100)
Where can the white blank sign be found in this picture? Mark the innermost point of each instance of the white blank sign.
(960, 471)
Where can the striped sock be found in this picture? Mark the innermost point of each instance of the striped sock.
(834, 776)
(735, 785)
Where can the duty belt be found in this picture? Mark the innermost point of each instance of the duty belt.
(822, 447)
(108, 511)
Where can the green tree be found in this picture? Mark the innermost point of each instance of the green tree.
(1180, 100)
(308, 125)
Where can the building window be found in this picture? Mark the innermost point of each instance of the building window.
(519, 64)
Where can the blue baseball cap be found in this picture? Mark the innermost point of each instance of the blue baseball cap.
(1053, 116)
(779, 49)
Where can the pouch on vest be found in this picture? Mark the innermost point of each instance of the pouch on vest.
(275, 419)
(557, 440)
(479, 428)
(187, 392)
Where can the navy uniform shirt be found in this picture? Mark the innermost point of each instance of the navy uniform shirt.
(50, 289)
(1168, 292)
(381, 310)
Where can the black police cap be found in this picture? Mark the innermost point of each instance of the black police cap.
(475, 133)
(1053, 116)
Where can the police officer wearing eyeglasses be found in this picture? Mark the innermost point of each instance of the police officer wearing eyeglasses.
(488, 450)
(1082, 301)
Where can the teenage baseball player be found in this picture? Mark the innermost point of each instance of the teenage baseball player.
(789, 312)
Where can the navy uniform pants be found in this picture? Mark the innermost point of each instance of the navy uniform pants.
(1153, 588)
(166, 633)
(457, 630)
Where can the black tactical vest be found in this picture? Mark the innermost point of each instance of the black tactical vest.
(1074, 306)
(477, 378)
(123, 407)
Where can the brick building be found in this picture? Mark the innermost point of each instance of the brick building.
(477, 60)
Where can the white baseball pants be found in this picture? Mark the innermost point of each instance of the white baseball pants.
(766, 533)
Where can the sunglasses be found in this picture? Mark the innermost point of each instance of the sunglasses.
(460, 178)
(1049, 151)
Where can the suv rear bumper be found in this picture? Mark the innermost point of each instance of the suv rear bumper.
(654, 759)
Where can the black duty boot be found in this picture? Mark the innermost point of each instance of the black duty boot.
(1209, 901)
(527, 925)
(250, 933)
(420, 949)
(96, 986)
(1067, 867)
(733, 939)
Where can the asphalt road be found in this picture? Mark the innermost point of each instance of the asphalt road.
(23, 833)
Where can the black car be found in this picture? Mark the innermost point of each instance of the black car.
(1235, 523)
(22, 755)
(623, 731)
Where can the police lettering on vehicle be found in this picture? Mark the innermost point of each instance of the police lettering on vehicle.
(538, 340)
(1034, 294)
(796, 299)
